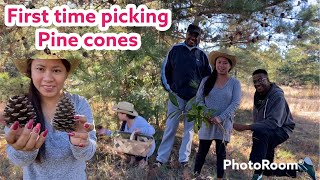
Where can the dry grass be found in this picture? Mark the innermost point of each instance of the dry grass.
(304, 104)
(305, 101)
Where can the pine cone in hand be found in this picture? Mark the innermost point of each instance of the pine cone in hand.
(19, 108)
(64, 116)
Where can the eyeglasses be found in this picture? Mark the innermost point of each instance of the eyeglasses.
(259, 81)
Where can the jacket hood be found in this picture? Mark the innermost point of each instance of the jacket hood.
(274, 111)
(274, 90)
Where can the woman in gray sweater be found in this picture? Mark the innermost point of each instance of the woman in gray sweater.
(221, 93)
(42, 151)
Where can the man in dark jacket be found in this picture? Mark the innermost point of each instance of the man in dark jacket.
(182, 71)
(272, 125)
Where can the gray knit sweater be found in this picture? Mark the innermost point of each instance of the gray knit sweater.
(62, 159)
(225, 101)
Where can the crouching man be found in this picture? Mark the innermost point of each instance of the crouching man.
(272, 125)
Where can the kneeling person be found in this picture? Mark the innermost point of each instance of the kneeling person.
(132, 122)
(273, 124)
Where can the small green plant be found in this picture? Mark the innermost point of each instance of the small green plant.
(193, 110)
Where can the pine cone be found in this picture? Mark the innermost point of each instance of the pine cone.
(64, 116)
(19, 108)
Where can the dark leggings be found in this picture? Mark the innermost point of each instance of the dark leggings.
(204, 146)
(264, 142)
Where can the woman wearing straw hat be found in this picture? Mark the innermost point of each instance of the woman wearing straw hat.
(45, 153)
(132, 122)
(222, 93)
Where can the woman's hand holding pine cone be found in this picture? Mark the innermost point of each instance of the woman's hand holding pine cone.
(26, 138)
(80, 137)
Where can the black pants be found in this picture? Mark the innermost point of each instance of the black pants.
(264, 143)
(204, 146)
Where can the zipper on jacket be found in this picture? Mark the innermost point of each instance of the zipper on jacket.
(265, 108)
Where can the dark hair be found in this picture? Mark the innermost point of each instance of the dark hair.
(230, 62)
(66, 64)
(123, 125)
(34, 97)
(260, 71)
(130, 116)
(208, 85)
(99, 127)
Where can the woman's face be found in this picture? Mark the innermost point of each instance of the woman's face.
(122, 116)
(48, 77)
(222, 65)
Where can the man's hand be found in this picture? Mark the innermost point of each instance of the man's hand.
(241, 127)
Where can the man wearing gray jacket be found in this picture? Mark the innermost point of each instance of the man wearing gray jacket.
(272, 125)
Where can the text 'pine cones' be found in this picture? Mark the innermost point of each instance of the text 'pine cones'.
(64, 116)
(19, 108)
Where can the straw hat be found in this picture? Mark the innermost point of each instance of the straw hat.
(22, 64)
(125, 107)
(222, 53)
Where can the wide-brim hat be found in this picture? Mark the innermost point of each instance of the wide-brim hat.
(22, 64)
(222, 53)
(125, 107)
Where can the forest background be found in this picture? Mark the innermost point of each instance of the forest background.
(281, 36)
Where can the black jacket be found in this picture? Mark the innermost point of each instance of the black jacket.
(183, 67)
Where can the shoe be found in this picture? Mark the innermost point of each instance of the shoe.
(157, 164)
(307, 166)
(257, 177)
(185, 164)
(195, 174)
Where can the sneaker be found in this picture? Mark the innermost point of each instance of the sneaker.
(307, 166)
(257, 177)
(157, 164)
(195, 175)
